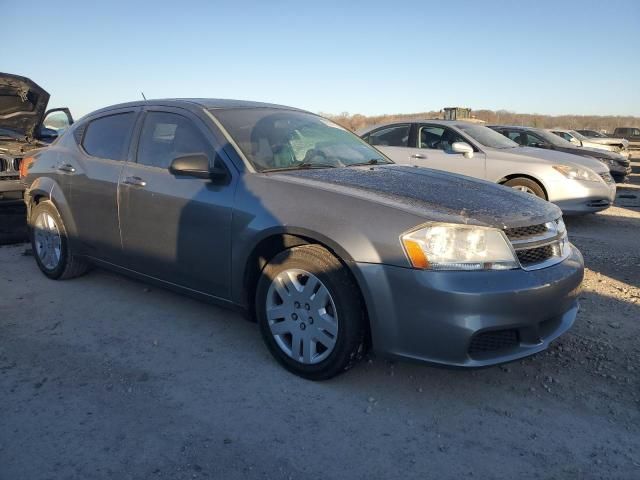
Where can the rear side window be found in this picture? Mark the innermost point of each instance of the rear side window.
(396, 136)
(108, 137)
(166, 136)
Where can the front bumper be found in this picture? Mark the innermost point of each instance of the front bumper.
(470, 319)
(576, 197)
(11, 186)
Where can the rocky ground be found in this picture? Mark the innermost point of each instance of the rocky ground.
(104, 377)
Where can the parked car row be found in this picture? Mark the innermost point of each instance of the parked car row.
(577, 184)
(616, 145)
(324, 240)
(619, 167)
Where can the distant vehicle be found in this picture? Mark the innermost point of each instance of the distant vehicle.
(25, 125)
(620, 147)
(296, 221)
(619, 166)
(576, 184)
(632, 134)
(600, 138)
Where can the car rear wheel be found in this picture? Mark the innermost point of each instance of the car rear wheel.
(526, 185)
(310, 312)
(50, 244)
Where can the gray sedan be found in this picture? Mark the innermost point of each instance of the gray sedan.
(318, 236)
(576, 184)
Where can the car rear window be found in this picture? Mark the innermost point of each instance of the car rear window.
(108, 137)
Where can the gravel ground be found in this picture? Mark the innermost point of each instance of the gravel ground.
(104, 377)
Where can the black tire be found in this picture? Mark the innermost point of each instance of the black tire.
(69, 265)
(532, 185)
(349, 342)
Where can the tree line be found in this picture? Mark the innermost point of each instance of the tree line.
(607, 123)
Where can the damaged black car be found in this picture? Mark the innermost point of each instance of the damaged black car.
(25, 125)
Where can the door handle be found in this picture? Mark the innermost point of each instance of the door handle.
(134, 181)
(418, 155)
(66, 168)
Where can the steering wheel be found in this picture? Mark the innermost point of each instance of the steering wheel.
(314, 155)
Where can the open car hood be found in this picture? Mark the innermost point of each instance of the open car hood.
(22, 104)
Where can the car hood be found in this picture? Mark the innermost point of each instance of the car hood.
(551, 157)
(610, 141)
(431, 194)
(22, 104)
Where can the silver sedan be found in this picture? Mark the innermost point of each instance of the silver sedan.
(576, 184)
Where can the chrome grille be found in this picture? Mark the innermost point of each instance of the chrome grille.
(535, 255)
(522, 232)
(608, 179)
(539, 246)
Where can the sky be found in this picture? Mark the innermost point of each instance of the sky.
(368, 57)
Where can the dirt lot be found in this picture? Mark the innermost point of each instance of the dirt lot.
(104, 377)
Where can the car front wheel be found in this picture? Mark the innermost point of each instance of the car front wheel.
(526, 185)
(310, 312)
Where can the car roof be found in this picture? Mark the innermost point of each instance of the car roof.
(191, 103)
(453, 123)
(516, 127)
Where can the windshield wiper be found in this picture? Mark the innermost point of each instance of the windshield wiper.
(373, 161)
(301, 166)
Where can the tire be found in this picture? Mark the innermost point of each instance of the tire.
(53, 256)
(526, 185)
(329, 324)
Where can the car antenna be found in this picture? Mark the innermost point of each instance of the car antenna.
(142, 93)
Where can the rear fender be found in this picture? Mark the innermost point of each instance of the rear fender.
(45, 188)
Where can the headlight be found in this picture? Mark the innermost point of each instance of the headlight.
(577, 173)
(458, 247)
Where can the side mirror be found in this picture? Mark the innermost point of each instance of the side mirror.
(47, 134)
(575, 141)
(196, 165)
(463, 148)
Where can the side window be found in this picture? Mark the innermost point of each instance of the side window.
(108, 137)
(166, 136)
(396, 136)
(533, 140)
(519, 137)
(437, 138)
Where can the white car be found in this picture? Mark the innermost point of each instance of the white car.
(576, 184)
(616, 145)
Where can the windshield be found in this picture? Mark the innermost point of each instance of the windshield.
(579, 136)
(275, 139)
(554, 139)
(487, 137)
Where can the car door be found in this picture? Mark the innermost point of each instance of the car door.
(177, 229)
(433, 150)
(104, 144)
(393, 141)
